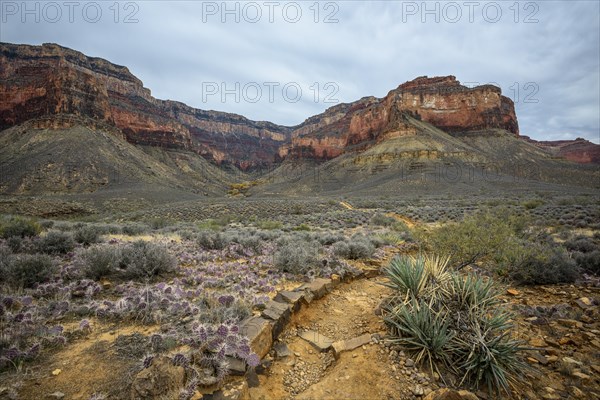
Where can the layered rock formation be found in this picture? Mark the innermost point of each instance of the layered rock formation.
(440, 101)
(50, 80)
(579, 150)
(37, 81)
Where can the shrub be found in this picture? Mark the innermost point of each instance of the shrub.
(18, 226)
(341, 249)
(381, 219)
(269, 224)
(87, 235)
(145, 260)
(297, 256)
(100, 261)
(159, 223)
(20, 245)
(134, 229)
(453, 323)
(329, 238)
(360, 248)
(588, 262)
(56, 242)
(545, 268)
(476, 238)
(532, 204)
(210, 240)
(27, 270)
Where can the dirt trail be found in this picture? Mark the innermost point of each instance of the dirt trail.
(371, 371)
(346, 205)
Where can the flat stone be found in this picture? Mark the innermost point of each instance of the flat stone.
(581, 375)
(418, 390)
(281, 350)
(466, 395)
(537, 342)
(320, 342)
(513, 292)
(279, 313)
(569, 360)
(260, 334)
(584, 302)
(335, 279)
(252, 379)
(539, 358)
(56, 395)
(237, 390)
(318, 287)
(236, 366)
(571, 323)
(350, 344)
(292, 298)
(371, 272)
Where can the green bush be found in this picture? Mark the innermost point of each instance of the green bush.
(137, 260)
(341, 249)
(27, 270)
(360, 248)
(19, 226)
(134, 229)
(297, 256)
(532, 204)
(56, 242)
(381, 219)
(100, 261)
(146, 260)
(355, 248)
(452, 323)
(87, 235)
(588, 262)
(546, 268)
(269, 224)
(211, 240)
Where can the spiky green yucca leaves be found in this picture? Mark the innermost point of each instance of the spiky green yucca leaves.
(451, 321)
(414, 277)
(422, 331)
(473, 293)
(407, 276)
(487, 355)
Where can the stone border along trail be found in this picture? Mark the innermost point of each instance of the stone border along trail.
(323, 340)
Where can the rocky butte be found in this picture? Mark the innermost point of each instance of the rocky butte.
(47, 80)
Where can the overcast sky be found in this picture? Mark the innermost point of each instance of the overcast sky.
(545, 55)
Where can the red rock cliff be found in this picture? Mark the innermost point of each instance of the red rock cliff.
(48, 80)
(441, 101)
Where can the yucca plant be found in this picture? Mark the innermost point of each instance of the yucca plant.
(407, 276)
(448, 320)
(422, 331)
(487, 355)
(436, 268)
(472, 292)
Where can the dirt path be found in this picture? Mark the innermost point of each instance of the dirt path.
(371, 371)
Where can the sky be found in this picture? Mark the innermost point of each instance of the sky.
(284, 61)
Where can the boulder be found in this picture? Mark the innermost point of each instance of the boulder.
(161, 380)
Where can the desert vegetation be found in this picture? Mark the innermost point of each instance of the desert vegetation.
(191, 284)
